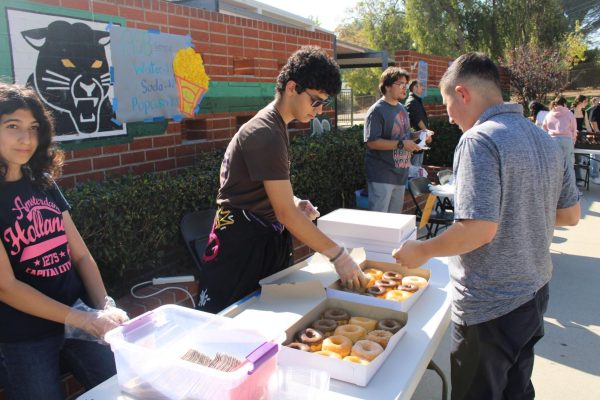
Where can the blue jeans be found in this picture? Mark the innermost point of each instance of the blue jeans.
(32, 369)
(386, 197)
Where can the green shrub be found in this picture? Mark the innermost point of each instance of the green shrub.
(131, 224)
(444, 142)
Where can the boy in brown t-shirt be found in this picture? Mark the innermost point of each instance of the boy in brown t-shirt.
(257, 207)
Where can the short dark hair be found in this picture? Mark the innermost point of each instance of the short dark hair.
(471, 65)
(389, 76)
(412, 84)
(311, 68)
(46, 162)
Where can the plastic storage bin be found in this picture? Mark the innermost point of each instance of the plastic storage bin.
(148, 351)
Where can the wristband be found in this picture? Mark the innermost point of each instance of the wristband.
(400, 144)
(338, 255)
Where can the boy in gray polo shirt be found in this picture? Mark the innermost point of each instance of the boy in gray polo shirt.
(513, 186)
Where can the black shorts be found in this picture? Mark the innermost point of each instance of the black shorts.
(242, 249)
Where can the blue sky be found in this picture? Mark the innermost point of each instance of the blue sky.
(329, 12)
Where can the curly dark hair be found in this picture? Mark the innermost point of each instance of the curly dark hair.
(46, 163)
(311, 68)
(390, 76)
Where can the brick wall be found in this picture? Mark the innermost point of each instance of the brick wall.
(234, 49)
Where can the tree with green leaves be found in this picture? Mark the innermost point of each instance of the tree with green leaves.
(452, 27)
(381, 22)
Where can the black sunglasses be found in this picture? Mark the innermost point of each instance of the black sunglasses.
(316, 101)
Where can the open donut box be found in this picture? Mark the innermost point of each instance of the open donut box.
(318, 266)
(292, 306)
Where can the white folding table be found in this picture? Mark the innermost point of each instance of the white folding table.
(399, 376)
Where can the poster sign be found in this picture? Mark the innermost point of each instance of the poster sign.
(145, 85)
(67, 62)
(422, 76)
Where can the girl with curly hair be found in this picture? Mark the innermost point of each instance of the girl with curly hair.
(45, 266)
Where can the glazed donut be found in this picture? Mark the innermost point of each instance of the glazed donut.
(367, 323)
(366, 349)
(376, 291)
(352, 332)
(338, 344)
(392, 276)
(386, 284)
(416, 280)
(397, 295)
(312, 338)
(326, 326)
(299, 346)
(374, 273)
(328, 354)
(340, 316)
(390, 325)
(356, 360)
(409, 287)
(379, 336)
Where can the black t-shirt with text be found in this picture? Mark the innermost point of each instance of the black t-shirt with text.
(33, 236)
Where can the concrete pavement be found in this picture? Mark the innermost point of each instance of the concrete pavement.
(567, 362)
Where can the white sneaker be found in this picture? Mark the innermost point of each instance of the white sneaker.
(595, 180)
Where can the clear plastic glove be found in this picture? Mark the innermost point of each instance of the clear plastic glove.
(308, 209)
(111, 310)
(95, 323)
(350, 273)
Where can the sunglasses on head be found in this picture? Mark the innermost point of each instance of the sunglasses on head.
(316, 101)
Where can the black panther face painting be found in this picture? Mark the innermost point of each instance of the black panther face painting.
(72, 76)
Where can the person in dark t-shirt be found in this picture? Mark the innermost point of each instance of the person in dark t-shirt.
(257, 208)
(45, 266)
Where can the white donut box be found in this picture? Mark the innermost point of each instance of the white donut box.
(291, 307)
(374, 231)
(319, 267)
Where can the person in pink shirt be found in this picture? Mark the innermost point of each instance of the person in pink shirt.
(560, 123)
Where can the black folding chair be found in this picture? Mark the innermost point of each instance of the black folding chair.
(195, 228)
(439, 216)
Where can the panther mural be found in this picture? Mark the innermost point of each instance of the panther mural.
(72, 76)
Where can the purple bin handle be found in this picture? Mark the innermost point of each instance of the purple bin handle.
(136, 322)
(261, 354)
